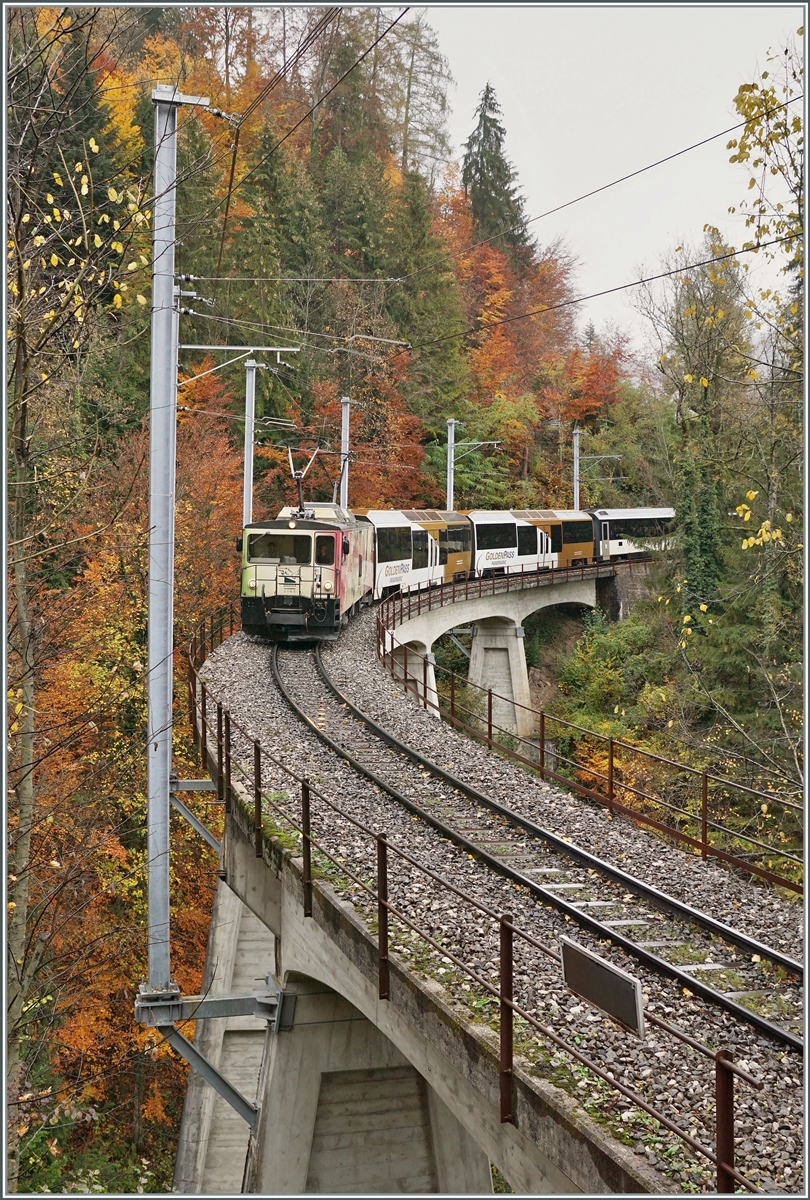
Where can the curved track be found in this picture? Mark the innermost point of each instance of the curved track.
(665, 934)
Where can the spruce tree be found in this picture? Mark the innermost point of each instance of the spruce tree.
(489, 179)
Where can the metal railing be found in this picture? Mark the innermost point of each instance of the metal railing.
(225, 766)
(698, 827)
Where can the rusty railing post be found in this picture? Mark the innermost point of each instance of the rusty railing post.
(192, 697)
(220, 758)
(506, 1022)
(405, 665)
(228, 786)
(453, 699)
(257, 797)
(203, 727)
(724, 1118)
(542, 744)
(489, 718)
(306, 850)
(424, 680)
(610, 774)
(382, 912)
(704, 815)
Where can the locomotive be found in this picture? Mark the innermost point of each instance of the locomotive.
(307, 573)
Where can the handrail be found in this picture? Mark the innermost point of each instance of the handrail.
(388, 644)
(224, 765)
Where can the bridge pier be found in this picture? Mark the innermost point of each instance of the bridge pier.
(498, 661)
(345, 1111)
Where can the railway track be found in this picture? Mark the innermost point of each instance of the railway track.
(739, 974)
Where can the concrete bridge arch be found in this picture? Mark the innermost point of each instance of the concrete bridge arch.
(498, 659)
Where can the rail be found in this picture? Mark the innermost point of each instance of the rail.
(214, 736)
(698, 827)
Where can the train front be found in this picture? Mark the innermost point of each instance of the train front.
(291, 579)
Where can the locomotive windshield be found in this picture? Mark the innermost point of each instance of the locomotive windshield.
(284, 548)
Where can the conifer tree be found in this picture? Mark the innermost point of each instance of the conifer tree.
(490, 181)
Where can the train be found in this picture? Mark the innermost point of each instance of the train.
(307, 573)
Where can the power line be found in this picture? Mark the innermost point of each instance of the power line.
(604, 187)
(622, 287)
(291, 279)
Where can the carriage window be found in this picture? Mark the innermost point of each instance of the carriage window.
(420, 549)
(393, 544)
(495, 537)
(640, 527)
(280, 548)
(325, 551)
(454, 539)
(527, 540)
(577, 531)
(556, 539)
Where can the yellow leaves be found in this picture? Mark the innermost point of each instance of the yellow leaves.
(751, 495)
(687, 619)
(85, 187)
(704, 608)
(704, 383)
(96, 240)
(58, 179)
(763, 808)
(54, 261)
(94, 146)
(141, 299)
(49, 198)
(112, 194)
(688, 378)
(117, 300)
(118, 247)
(26, 217)
(78, 168)
(57, 866)
(132, 266)
(788, 517)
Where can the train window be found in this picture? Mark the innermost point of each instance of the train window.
(640, 527)
(455, 539)
(393, 544)
(420, 549)
(527, 540)
(285, 548)
(577, 531)
(325, 551)
(495, 537)
(556, 539)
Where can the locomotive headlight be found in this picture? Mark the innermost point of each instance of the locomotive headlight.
(328, 585)
(291, 524)
(252, 583)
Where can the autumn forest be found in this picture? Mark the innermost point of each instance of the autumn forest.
(319, 208)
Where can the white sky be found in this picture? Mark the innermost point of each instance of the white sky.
(591, 92)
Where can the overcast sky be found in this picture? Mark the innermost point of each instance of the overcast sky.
(591, 92)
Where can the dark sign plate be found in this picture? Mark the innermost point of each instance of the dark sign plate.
(603, 985)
